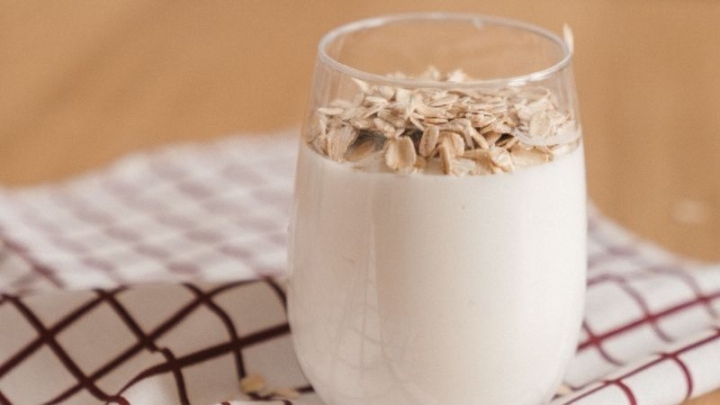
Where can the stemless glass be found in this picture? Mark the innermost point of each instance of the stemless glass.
(432, 268)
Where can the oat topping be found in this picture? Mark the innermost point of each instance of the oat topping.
(569, 38)
(255, 385)
(460, 131)
(285, 393)
(252, 384)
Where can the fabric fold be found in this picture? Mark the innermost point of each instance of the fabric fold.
(157, 280)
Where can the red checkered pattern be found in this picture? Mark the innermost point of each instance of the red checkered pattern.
(651, 333)
(83, 319)
(216, 212)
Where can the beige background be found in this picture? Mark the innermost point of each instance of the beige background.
(84, 81)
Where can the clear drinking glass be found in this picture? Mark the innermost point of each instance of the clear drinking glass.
(438, 235)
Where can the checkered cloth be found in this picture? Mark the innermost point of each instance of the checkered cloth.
(84, 319)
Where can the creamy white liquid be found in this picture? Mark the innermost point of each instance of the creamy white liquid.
(437, 290)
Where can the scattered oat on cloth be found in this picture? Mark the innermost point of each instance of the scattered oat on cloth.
(155, 281)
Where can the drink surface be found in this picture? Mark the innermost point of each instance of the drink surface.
(433, 289)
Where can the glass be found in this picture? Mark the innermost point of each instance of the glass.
(430, 268)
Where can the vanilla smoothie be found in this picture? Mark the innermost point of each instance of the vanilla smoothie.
(438, 243)
(429, 289)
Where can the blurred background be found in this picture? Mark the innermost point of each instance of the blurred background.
(84, 81)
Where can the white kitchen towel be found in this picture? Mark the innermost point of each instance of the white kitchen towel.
(155, 282)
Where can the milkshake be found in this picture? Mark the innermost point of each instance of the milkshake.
(438, 243)
(427, 289)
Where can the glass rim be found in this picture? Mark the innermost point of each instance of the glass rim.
(476, 19)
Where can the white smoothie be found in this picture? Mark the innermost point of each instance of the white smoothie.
(431, 289)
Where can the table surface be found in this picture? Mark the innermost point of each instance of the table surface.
(84, 82)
